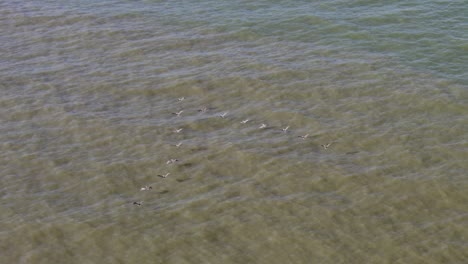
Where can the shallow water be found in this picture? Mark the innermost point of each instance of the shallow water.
(87, 95)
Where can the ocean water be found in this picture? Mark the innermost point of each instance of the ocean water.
(88, 92)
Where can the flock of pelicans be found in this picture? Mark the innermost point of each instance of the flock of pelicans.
(222, 115)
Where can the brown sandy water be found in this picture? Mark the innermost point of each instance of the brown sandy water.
(86, 109)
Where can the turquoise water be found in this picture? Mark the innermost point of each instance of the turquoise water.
(88, 92)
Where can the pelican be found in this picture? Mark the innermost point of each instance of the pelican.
(164, 175)
(146, 188)
(326, 146)
(178, 113)
(171, 161)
